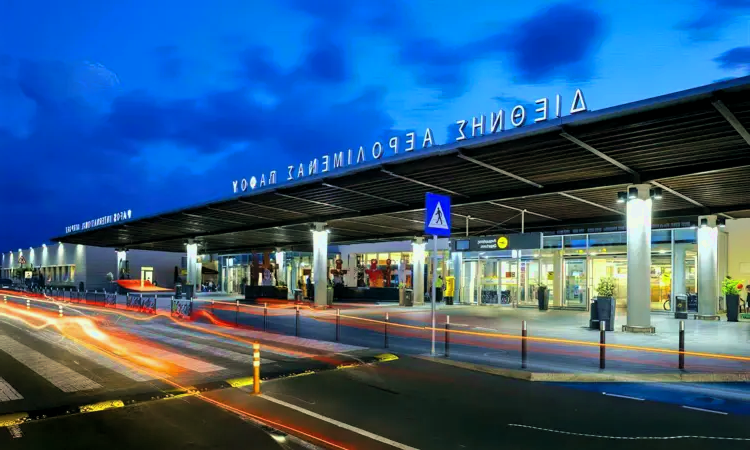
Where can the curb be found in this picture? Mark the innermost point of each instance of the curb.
(593, 377)
(20, 418)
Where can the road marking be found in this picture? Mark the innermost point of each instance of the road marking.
(634, 438)
(186, 362)
(7, 393)
(96, 357)
(343, 425)
(215, 351)
(15, 431)
(66, 379)
(705, 410)
(210, 338)
(623, 396)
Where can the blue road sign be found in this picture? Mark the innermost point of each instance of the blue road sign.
(437, 217)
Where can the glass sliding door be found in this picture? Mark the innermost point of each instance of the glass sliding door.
(575, 283)
(529, 273)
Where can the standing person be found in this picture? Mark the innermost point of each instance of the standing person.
(439, 288)
(309, 287)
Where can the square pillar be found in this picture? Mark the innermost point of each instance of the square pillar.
(122, 257)
(708, 266)
(558, 278)
(280, 268)
(458, 260)
(639, 258)
(320, 263)
(678, 270)
(418, 251)
(192, 263)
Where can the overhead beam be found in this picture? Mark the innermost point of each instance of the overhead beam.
(522, 210)
(198, 216)
(677, 194)
(601, 155)
(229, 211)
(365, 194)
(412, 180)
(329, 205)
(582, 200)
(498, 170)
(732, 119)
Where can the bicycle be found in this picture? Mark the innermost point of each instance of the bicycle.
(667, 305)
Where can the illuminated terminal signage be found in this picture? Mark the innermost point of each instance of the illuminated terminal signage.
(502, 242)
(99, 221)
(478, 126)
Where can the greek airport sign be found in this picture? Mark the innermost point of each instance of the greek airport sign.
(517, 241)
(99, 221)
(482, 125)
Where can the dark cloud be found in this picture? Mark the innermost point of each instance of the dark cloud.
(737, 58)
(558, 42)
(712, 18)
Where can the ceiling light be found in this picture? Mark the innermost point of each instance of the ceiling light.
(656, 193)
(721, 222)
(704, 222)
(622, 197)
(632, 193)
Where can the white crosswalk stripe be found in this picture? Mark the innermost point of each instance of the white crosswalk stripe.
(208, 337)
(103, 360)
(215, 351)
(7, 393)
(186, 362)
(66, 379)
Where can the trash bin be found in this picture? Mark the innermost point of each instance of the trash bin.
(541, 297)
(681, 307)
(329, 299)
(408, 297)
(733, 307)
(178, 290)
(602, 308)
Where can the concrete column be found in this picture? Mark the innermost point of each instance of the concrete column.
(708, 267)
(639, 259)
(192, 263)
(678, 271)
(558, 278)
(280, 264)
(418, 251)
(122, 256)
(320, 263)
(458, 260)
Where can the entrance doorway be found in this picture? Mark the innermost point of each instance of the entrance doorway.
(575, 283)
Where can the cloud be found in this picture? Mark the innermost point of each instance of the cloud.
(169, 64)
(737, 58)
(714, 16)
(558, 42)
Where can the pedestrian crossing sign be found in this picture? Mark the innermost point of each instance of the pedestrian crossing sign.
(437, 215)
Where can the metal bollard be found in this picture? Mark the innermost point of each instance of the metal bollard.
(296, 323)
(237, 314)
(682, 345)
(28, 304)
(59, 310)
(602, 342)
(5, 299)
(524, 344)
(265, 317)
(385, 332)
(212, 307)
(338, 324)
(447, 335)
(256, 368)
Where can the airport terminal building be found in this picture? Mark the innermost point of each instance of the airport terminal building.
(649, 195)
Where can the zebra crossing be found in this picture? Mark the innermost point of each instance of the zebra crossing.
(44, 362)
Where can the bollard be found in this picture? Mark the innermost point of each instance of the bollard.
(265, 317)
(59, 310)
(5, 299)
(28, 304)
(338, 324)
(385, 332)
(447, 335)
(682, 345)
(602, 342)
(237, 314)
(296, 322)
(524, 344)
(212, 307)
(256, 368)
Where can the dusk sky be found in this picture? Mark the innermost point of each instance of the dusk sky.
(153, 105)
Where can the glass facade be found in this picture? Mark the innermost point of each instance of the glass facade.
(570, 267)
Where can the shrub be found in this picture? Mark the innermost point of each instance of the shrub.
(606, 287)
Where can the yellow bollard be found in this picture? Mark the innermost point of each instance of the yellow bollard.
(256, 368)
(28, 304)
(5, 299)
(60, 310)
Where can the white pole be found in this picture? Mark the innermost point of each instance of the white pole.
(467, 225)
(432, 296)
(523, 220)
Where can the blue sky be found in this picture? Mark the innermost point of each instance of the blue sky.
(107, 106)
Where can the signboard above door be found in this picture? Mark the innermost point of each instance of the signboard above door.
(525, 241)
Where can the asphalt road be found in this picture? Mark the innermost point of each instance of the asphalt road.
(421, 404)
(168, 424)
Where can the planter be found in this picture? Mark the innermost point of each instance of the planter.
(541, 297)
(733, 307)
(605, 310)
